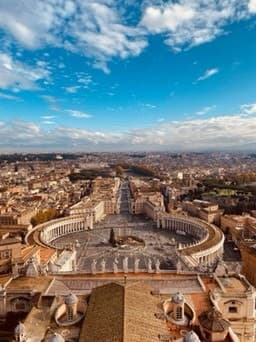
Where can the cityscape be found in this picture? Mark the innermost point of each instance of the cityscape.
(162, 243)
(127, 171)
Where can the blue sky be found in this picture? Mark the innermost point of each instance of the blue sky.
(100, 75)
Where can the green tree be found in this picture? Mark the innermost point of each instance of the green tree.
(43, 216)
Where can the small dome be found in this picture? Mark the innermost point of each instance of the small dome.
(71, 299)
(213, 320)
(191, 336)
(56, 338)
(178, 298)
(20, 329)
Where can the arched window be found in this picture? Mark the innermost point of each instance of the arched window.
(179, 315)
(20, 304)
(70, 314)
(233, 306)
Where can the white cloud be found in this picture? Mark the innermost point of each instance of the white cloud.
(167, 17)
(9, 97)
(102, 66)
(225, 132)
(61, 65)
(230, 132)
(35, 23)
(205, 110)
(99, 33)
(53, 102)
(149, 105)
(252, 6)
(93, 28)
(17, 131)
(189, 23)
(208, 73)
(48, 117)
(84, 79)
(102, 29)
(48, 122)
(249, 108)
(17, 76)
(78, 114)
(72, 90)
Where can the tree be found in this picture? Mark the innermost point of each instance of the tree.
(119, 170)
(43, 216)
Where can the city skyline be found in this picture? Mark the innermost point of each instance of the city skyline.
(108, 75)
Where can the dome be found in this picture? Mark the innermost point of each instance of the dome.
(213, 320)
(178, 298)
(191, 336)
(56, 338)
(20, 329)
(71, 299)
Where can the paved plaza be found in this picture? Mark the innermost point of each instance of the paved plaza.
(94, 251)
(94, 245)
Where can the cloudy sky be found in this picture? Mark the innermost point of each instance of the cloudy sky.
(97, 75)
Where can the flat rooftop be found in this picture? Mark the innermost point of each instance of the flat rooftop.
(38, 284)
(232, 283)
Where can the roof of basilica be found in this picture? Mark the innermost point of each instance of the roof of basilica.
(122, 313)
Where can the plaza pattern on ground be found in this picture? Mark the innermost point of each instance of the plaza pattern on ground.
(94, 244)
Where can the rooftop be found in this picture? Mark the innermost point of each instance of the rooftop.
(122, 313)
(46, 254)
(9, 241)
(29, 251)
(37, 284)
(233, 283)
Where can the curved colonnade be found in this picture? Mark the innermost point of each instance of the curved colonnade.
(51, 230)
(207, 248)
(209, 243)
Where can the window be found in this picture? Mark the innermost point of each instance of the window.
(69, 314)
(232, 309)
(179, 315)
(20, 306)
(5, 254)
